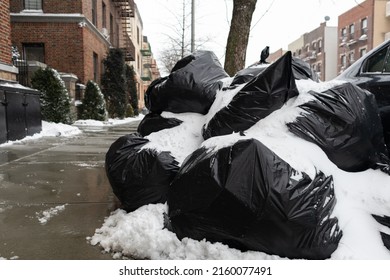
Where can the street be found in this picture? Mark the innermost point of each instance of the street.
(54, 193)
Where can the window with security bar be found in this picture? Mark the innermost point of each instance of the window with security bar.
(33, 4)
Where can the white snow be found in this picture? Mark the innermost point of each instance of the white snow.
(141, 233)
(45, 215)
(50, 129)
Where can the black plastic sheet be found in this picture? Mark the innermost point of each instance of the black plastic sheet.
(247, 197)
(260, 97)
(153, 122)
(344, 122)
(139, 177)
(303, 70)
(190, 87)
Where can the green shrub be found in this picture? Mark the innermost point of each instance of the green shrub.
(94, 106)
(55, 101)
(114, 84)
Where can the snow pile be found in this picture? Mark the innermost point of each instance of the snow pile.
(109, 122)
(49, 129)
(141, 233)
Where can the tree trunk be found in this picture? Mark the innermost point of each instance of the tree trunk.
(238, 35)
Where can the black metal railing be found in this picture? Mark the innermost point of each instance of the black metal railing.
(22, 76)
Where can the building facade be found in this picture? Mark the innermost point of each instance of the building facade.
(318, 48)
(70, 36)
(7, 70)
(361, 29)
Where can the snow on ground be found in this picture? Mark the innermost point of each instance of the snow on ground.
(141, 233)
(45, 215)
(50, 129)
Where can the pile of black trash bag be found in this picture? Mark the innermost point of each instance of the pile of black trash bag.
(244, 195)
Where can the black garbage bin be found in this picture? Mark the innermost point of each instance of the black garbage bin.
(20, 112)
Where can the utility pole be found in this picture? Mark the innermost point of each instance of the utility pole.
(192, 26)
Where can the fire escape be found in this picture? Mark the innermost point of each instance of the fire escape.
(126, 11)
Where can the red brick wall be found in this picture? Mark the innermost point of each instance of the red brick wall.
(92, 44)
(354, 16)
(68, 48)
(16, 5)
(5, 33)
(52, 6)
(62, 41)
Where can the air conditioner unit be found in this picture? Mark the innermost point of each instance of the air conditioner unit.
(387, 9)
(105, 33)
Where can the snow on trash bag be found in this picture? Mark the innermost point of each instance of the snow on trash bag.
(190, 87)
(344, 122)
(153, 122)
(247, 197)
(138, 176)
(260, 97)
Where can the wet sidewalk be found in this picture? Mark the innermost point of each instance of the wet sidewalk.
(54, 193)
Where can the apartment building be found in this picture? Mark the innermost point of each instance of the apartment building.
(72, 37)
(150, 70)
(318, 48)
(20, 111)
(361, 29)
(7, 70)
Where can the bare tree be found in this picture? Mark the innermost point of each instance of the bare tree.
(237, 42)
(178, 41)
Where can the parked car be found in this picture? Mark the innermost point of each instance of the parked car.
(372, 72)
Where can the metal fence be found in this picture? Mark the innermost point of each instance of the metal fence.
(20, 112)
(22, 76)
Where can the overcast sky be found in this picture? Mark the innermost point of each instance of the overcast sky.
(275, 23)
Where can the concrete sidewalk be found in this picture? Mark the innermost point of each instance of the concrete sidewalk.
(54, 193)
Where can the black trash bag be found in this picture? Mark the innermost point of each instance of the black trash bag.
(384, 221)
(344, 122)
(301, 71)
(153, 122)
(263, 95)
(245, 75)
(139, 177)
(247, 197)
(190, 88)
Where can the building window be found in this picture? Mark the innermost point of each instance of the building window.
(104, 15)
(351, 31)
(320, 45)
(94, 11)
(364, 26)
(111, 29)
(117, 35)
(363, 51)
(34, 51)
(351, 57)
(138, 35)
(343, 33)
(343, 61)
(314, 46)
(95, 67)
(33, 4)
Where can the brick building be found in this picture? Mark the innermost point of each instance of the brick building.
(318, 48)
(72, 37)
(7, 70)
(360, 29)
